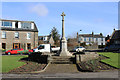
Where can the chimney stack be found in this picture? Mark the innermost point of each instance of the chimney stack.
(101, 34)
(92, 33)
(114, 29)
(77, 34)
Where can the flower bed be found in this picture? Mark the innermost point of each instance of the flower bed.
(94, 65)
(29, 67)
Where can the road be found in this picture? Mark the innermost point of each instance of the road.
(104, 74)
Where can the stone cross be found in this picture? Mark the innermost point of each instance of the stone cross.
(63, 33)
(63, 42)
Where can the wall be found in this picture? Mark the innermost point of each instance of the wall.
(36, 39)
(92, 40)
(86, 57)
(100, 41)
(22, 39)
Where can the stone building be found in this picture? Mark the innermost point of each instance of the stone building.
(46, 39)
(18, 34)
(90, 39)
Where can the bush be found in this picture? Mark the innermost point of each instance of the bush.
(37, 57)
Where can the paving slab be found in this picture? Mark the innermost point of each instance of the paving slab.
(61, 68)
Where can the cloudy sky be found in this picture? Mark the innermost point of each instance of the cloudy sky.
(99, 17)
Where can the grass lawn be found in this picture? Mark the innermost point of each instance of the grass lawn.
(12, 61)
(113, 61)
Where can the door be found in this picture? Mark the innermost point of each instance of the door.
(16, 45)
(28, 46)
(3, 45)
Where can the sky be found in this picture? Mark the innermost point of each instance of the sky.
(99, 17)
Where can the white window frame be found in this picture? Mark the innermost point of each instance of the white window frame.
(89, 39)
(101, 39)
(28, 35)
(24, 26)
(85, 39)
(16, 34)
(3, 34)
(96, 39)
(6, 26)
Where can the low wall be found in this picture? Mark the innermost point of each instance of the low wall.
(85, 57)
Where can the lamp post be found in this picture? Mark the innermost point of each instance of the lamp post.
(78, 38)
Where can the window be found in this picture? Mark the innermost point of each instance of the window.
(3, 34)
(28, 35)
(101, 39)
(84, 39)
(80, 39)
(89, 38)
(44, 38)
(3, 45)
(25, 25)
(6, 23)
(102, 44)
(96, 39)
(41, 47)
(16, 34)
(16, 45)
(28, 46)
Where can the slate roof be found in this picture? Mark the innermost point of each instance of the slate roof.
(90, 35)
(116, 34)
(39, 37)
(19, 29)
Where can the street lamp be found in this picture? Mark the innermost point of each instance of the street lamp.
(78, 38)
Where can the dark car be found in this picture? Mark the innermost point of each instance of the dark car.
(115, 47)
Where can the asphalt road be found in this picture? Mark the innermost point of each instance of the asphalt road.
(104, 74)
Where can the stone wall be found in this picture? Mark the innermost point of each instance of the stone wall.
(87, 56)
(92, 47)
(10, 39)
(36, 39)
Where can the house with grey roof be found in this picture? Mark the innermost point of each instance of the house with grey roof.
(90, 39)
(115, 37)
(46, 39)
(18, 34)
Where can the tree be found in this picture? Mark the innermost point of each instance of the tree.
(55, 35)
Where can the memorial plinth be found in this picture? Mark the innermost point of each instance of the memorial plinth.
(63, 42)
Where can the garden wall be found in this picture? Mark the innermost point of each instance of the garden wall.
(85, 57)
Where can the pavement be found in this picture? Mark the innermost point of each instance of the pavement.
(61, 68)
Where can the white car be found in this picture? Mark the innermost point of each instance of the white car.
(79, 49)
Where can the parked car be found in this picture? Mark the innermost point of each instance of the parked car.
(13, 51)
(45, 48)
(115, 47)
(79, 49)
